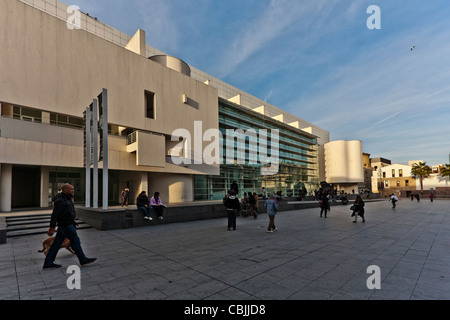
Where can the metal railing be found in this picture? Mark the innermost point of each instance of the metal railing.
(131, 138)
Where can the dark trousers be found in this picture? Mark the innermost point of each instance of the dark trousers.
(231, 218)
(271, 223)
(159, 210)
(324, 210)
(69, 232)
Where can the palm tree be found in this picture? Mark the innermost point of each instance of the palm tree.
(445, 171)
(421, 170)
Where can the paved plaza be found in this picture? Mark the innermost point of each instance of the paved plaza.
(307, 258)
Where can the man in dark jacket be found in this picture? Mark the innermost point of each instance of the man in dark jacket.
(233, 206)
(143, 203)
(64, 215)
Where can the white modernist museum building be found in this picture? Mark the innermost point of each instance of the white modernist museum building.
(51, 75)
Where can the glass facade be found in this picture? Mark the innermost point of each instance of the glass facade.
(297, 157)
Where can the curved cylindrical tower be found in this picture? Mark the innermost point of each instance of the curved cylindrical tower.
(172, 63)
(344, 162)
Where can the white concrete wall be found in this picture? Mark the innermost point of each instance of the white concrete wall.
(45, 65)
(434, 181)
(172, 187)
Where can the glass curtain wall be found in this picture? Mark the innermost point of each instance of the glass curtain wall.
(298, 158)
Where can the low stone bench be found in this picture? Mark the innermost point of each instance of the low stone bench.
(174, 214)
(131, 217)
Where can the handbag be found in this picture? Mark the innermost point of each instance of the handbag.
(353, 207)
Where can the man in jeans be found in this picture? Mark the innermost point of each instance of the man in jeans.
(143, 203)
(64, 215)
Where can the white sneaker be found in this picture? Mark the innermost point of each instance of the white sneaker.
(160, 218)
(148, 218)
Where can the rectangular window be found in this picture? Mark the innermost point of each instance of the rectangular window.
(400, 173)
(149, 104)
(384, 174)
(398, 183)
(393, 173)
(406, 182)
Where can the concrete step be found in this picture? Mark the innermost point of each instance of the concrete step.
(25, 225)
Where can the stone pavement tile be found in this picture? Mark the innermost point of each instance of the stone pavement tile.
(111, 284)
(208, 288)
(155, 289)
(405, 268)
(315, 271)
(436, 271)
(406, 283)
(233, 279)
(354, 289)
(430, 292)
(385, 262)
(275, 291)
(294, 282)
(390, 291)
(7, 270)
(331, 281)
(9, 292)
(309, 293)
(232, 293)
(189, 295)
(253, 269)
(96, 293)
(256, 283)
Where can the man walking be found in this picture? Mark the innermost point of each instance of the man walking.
(64, 215)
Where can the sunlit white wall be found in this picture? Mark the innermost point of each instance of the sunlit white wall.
(344, 162)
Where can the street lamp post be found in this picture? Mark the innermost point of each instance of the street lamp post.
(381, 186)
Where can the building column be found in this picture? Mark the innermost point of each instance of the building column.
(5, 187)
(44, 187)
(144, 183)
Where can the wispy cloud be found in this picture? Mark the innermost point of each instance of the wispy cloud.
(278, 18)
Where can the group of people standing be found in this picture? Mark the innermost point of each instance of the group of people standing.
(233, 207)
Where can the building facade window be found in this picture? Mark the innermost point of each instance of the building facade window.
(400, 173)
(406, 183)
(298, 158)
(149, 104)
(393, 173)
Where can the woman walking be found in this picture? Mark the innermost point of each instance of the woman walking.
(324, 204)
(358, 209)
(272, 208)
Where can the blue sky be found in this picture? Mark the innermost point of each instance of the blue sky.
(317, 60)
